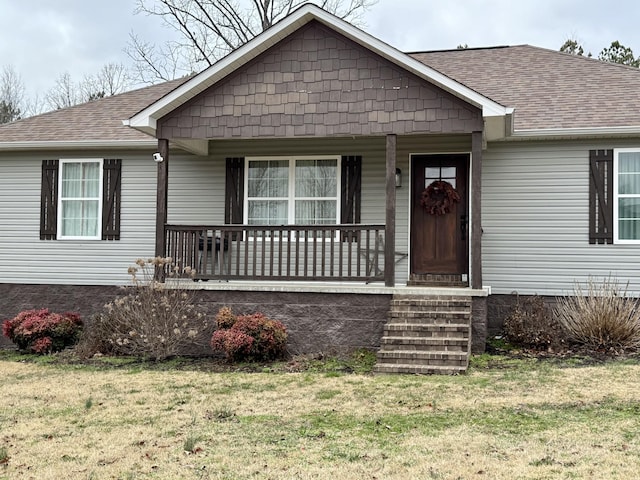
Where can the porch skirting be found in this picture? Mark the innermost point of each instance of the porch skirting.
(331, 318)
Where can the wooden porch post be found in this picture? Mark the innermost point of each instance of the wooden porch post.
(476, 210)
(161, 201)
(390, 220)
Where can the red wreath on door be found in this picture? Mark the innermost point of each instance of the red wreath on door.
(439, 197)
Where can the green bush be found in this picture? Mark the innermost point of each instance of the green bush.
(601, 317)
(248, 337)
(41, 331)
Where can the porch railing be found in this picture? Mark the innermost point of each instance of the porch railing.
(288, 252)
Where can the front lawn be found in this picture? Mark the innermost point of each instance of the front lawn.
(122, 419)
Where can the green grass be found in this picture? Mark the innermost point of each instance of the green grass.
(508, 417)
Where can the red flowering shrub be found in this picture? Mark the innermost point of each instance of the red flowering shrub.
(41, 331)
(248, 337)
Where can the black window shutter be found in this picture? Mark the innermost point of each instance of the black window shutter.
(351, 177)
(600, 196)
(49, 200)
(234, 191)
(351, 183)
(112, 169)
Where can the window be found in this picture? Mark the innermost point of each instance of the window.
(301, 190)
(432, 174)
(626, 208)
(80, 199)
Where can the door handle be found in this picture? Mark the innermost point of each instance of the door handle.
(464, 220)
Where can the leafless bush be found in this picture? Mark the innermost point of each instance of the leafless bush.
(603, 317)
(529, 324)
(150, 321)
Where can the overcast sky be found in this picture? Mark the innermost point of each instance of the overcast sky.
(42, 39)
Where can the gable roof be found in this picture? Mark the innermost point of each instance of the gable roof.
(553, 93)
(93, 124)
(146, 120)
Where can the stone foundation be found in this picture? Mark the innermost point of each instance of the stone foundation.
(316, 322)
(478, 324)
(499, 307)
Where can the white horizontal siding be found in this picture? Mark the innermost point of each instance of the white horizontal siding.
(196, 191)
(535, 218)
(24, 258)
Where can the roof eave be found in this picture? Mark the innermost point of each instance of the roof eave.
(580, 132)
(146, 120)
(78, 144)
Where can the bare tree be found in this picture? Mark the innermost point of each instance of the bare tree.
(209, 29)
(64, 94)
(11, 95)
(112, 79)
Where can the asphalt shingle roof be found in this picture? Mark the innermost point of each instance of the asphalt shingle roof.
(548, 89)
(96, 120)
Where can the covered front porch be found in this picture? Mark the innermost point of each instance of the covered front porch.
(203, 223)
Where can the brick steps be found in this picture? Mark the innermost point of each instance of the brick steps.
(426, 335)
(417, 369)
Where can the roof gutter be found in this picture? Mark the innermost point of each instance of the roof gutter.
(568, 133)
(92, 144)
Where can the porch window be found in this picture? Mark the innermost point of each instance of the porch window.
(80, 199)
(626, 211)
(301, 190)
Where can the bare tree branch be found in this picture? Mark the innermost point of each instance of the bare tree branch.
(210, 29)
(112, 79)
(11, 95)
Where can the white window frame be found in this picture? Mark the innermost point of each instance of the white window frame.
(63, 162)
(291, 198)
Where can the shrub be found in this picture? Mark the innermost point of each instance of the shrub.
(41, 331)
(154, 320)
(603, 317)
(225, 318)
(248, 337)
(530, 325)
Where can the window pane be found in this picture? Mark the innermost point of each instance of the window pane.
(81, 180)
(316, 178)
(268, 178)
(268, 212)
(316, 212)
(629, 208)
(629, 229)
(629, 162)
(629, 218)
(628, 183)
(90, 180)
(448, 172)
(80, 218)
(432, 172)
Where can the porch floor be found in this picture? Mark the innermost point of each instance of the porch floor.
(331, 287)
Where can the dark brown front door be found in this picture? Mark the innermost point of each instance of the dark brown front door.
(439, 235)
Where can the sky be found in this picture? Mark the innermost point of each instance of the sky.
(43, 39)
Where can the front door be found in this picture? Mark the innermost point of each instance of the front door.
(439, 217)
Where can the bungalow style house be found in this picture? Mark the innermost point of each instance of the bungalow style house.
(364, 196)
